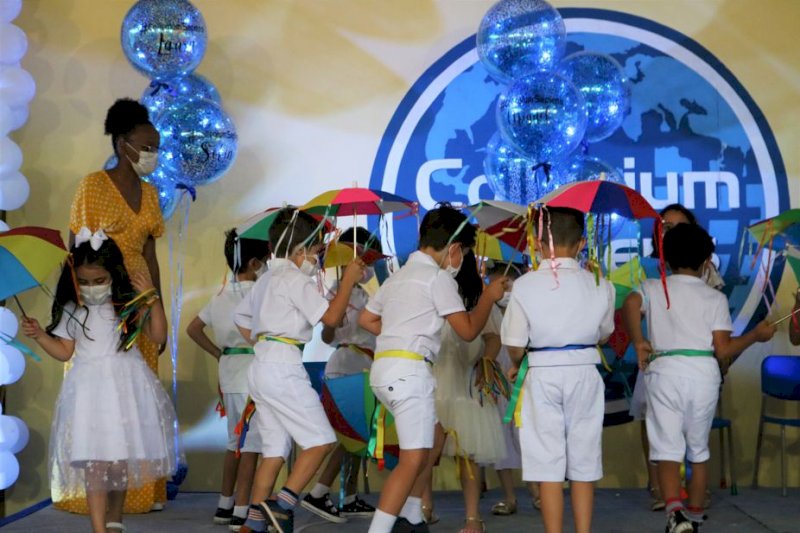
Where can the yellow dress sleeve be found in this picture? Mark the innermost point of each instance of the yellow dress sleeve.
(154, 216)
(80, 214)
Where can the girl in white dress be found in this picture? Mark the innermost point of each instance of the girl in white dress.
(114, 427)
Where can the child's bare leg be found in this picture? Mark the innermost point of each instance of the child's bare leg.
(698, 485)
(97, 495)
(333, 467)
(471, 487)
(669, 480)
(116, 496)
(244, 477)
(352, 481)
(552, 506)
(423, 487)
(264, 480)
(230, 466)
(582, 503)
(401, 481)
(652, 468)
(307, 464)
(506, 478)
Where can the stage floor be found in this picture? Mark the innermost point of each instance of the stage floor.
(615, 510)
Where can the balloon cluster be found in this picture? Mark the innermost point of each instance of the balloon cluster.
(16, 91)
(166, 40)
(13, 431)
(550, 105)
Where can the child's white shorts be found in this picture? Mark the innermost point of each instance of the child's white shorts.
(234, 406)
(287, 408)
(562, 424)
(680, 411)
(411, 400)
(638, 408)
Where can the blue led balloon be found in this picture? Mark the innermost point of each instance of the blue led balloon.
(111, 162)
(198, 142)
(162, 94)
(520, 37)
(168, 198)
(543, 116)
(511, 176)
(164, 38)
(601, 80)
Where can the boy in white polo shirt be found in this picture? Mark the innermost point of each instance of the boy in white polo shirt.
(247, 260)
(683, 378)
(559, 313)
(280, 313)
(407, 313)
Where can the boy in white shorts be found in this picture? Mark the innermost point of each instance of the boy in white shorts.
(355, 348)
(280, 313)
(247, 260)
(559, 314)
(683, 378)
(407, 313)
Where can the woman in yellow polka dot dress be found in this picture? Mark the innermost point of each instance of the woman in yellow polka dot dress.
(126, 208)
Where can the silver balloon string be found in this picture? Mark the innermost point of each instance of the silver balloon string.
(177, 241)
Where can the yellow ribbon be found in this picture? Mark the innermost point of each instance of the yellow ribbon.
(401, 354)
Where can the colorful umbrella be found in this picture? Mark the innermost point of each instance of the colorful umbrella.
(257, 226)
(491, 247)
(355, 201)
(340, 254)
(601, 197)
(626, 278)
(27, 256)
(351, 407)
(786, 224)
(504, 220)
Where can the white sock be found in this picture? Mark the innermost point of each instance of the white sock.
(319, 490)
(412, 510)
(240, 510)
(349, 499)
(225, 502)
(381, 522)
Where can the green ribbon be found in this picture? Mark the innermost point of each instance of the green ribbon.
(514, 399)
(238, 351)
(19, 346)
(686, 353)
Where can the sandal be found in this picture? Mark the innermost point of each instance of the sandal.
(473, 529)
(504, 508)
(116, 525)
(537, 503)
(429, 516)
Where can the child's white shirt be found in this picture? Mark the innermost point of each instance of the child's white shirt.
(696, 311)
(93, 328)
(284, 302)
(350, 332)
(218, 314)
(546, 311)
(412, 304)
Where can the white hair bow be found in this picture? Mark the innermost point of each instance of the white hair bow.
(95, 239)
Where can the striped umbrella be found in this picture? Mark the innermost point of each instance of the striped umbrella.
(28, 255)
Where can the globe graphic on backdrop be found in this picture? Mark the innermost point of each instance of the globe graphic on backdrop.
(681, 142)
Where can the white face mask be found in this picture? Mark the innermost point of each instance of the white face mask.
(503, 302)
(369, 273)
(453, 271)
(309, 268)
(261, 270)
(148, 161)
(95, 294)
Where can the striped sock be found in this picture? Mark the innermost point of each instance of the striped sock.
(673, 505)
(695, 514)
(255, 520)
(287, 500)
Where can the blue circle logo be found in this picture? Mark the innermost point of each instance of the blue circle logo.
(694, 135)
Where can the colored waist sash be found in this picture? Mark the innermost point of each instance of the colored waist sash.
(359, 349)
(685, 353)
(514, 403)
(238, 351)
(402, 354)
(282, 340)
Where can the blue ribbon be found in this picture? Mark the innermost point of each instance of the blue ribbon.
(19, 346)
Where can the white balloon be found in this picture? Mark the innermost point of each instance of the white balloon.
(19, 116)
(6, 118)
(12, 364)
(9, 470)
(10, 157)
(9, 9)
(17, 86)
(13, 43)
(14, 434)
(14, 191)
(9, 325)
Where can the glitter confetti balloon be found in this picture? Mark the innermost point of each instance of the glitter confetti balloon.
(543, 116)
(161, 94)
(520, 37)
(601, 80)
(198, 142)
(511, 176)
(164, 38)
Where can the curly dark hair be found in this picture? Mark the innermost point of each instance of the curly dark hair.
(123, 117)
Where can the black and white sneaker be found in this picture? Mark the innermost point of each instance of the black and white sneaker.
(236, 523)
(402, 525)
(324, 508)
(357, 508)
(223, 516)
(678, 522)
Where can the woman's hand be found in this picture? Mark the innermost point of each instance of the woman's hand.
(31, 328)
(141, 282)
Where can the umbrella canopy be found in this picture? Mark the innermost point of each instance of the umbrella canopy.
(493, 248)
(601, 197)
(257, 226)
(626, 278)
(503, 220)
(786, 225)
(354, 201)
(350, 406)
(27, 256)
(340, 253)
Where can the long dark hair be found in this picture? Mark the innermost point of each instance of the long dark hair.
(680, 208)
(470, 283)
(107, 256)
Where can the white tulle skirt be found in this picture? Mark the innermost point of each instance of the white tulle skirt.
(474, 429)
(114, 427)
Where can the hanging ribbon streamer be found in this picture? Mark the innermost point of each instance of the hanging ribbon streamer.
(14, 343)
(243, 426)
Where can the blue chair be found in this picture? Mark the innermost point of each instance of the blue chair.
(780, 379)
(723, 425)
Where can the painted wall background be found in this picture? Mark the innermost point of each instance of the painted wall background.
(311, 86)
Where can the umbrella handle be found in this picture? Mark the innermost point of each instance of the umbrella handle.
(20, 306)
(787, 317)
